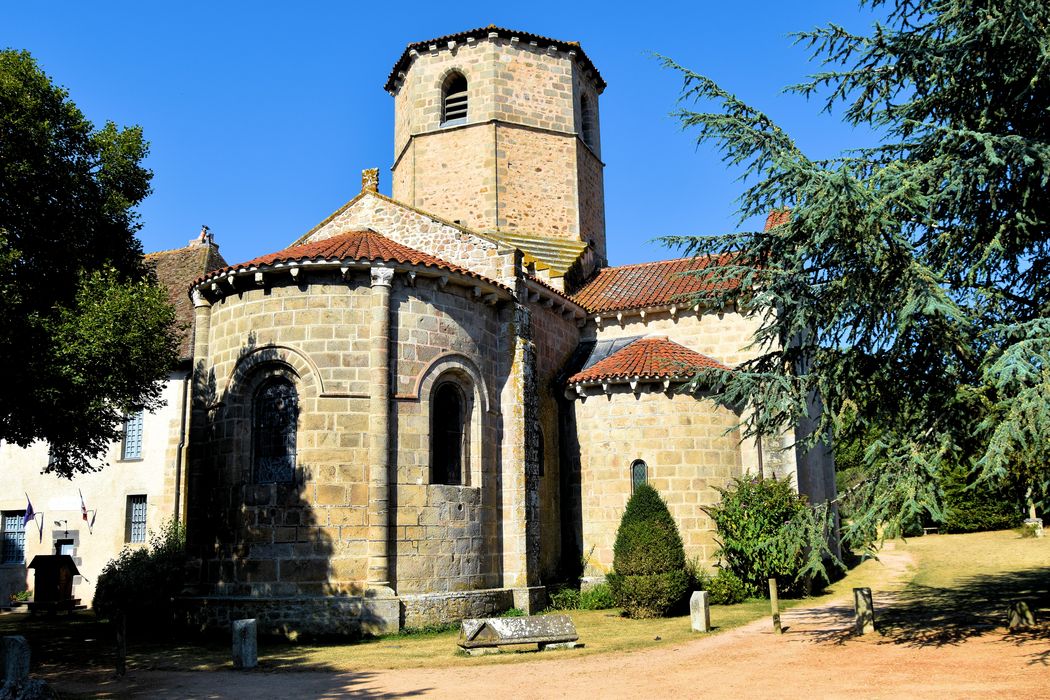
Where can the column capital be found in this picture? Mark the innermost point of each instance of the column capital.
(382, 276)
(199, 300)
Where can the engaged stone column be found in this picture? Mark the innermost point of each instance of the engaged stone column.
(700, 611)
(245, 644)
(379, 429)
(16, 659)
(520, 478)
(865, 619)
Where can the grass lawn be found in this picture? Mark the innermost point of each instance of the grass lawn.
(953, 571)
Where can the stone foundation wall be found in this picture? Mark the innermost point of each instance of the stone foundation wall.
(291, 617)
(425, 610)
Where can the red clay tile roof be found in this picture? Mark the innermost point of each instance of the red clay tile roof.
(777, 217)
(176, 269)
(482, 33)
(351, 246)
(647, 284)
(648, 358)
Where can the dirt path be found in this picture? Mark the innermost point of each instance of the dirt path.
(815, 658)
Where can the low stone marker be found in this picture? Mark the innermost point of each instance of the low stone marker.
(485, 635)
(700, 611)
(245, 646)
(1035, 525)
(1019, 616)
(865, 615)
(15, 659)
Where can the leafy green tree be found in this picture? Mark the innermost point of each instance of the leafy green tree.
(909, 280)
(649, 569)
(758, 534)
(87, 334)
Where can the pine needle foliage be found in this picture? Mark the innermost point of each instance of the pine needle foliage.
(908, 284)
(649, 572)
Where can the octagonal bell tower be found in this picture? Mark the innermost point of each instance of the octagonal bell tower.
(499, 130)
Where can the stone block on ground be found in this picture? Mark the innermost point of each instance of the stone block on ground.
(493, 632)
(245, 644)
(700, 611)
(15, 658)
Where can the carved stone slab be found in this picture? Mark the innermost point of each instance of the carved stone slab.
(498, 631)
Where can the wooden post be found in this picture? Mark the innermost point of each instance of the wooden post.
(774, 603)
(121, 625)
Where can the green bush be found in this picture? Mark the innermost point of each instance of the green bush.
(566, 598)
(140, 583)
(649, 575)
(970, 507)
(756, 543)
(726, 588)
(597, 597)
(513, 612)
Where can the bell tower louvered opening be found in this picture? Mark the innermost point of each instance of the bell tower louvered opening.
(454, 100)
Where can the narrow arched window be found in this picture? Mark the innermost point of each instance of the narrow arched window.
(446, 437)
(275, 417)
(639, 474)
(588, 122)
(454, 100)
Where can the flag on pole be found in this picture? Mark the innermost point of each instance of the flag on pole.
(83, 506)
(30, 514)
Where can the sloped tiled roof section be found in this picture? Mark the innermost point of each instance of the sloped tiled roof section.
(357, 246)
(482, 33)
(647, 358)
(777, 217)
(176, 270)
(648, 284)
(555, 254)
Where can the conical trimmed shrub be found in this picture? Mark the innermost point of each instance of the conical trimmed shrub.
(649, 575)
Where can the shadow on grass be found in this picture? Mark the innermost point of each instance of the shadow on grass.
(77, 655)
(922, 616)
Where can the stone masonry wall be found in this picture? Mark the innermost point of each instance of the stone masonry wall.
(310, 537)
(555, 338)
(447, 535)
(422, 233)
(521, 174)
(680, 438)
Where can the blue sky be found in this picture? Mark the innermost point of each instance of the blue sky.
(261, 115)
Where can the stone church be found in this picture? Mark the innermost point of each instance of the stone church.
(432, 404)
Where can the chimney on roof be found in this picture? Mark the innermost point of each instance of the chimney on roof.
(205, 237)
(370, 180)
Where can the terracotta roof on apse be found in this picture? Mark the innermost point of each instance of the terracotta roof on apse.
(648, 358)
(352, 245)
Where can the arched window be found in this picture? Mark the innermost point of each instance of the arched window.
(454, 100)
(588, 122)
(639, 474)
(448, 428)
(275, 417)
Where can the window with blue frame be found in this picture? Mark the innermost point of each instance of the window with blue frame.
(132, 445)
(14, 537)
(135, 529)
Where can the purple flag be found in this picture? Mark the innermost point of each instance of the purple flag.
(29, 512)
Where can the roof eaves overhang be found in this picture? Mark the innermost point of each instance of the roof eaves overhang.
(257, 276)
